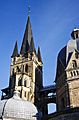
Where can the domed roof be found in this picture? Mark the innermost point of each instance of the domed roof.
(73, 44)
(17, 108)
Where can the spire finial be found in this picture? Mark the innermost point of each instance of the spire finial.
(29, 11)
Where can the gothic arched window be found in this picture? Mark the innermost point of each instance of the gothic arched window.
(24, 83)
(20, 82)
(74, 64)
(18, 69)
(26, 68)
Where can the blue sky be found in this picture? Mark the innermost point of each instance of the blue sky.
(52, 22)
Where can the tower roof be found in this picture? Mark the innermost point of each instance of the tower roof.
(32, 46)
(15, 51)
(28, 36)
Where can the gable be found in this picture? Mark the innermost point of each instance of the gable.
(73, 60)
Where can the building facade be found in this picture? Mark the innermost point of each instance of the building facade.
(26, 77)
(67, 81)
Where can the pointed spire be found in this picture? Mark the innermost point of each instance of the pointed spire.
(15, 51)
(32, 47)
(27, 38)
(39, 55)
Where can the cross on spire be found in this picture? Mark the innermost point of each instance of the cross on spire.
(29, 11)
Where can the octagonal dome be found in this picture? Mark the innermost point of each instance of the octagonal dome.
(16, 108)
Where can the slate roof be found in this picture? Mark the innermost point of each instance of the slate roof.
(32, 46)
(28, 37)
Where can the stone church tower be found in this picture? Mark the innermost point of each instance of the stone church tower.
(26, 70)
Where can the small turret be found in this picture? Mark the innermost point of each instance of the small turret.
(75, 33)
(39, 55)
(15, 51)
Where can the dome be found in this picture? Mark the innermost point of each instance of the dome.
(73, 44)
(17, 108)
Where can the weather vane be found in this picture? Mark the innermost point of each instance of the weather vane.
(29, 11)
